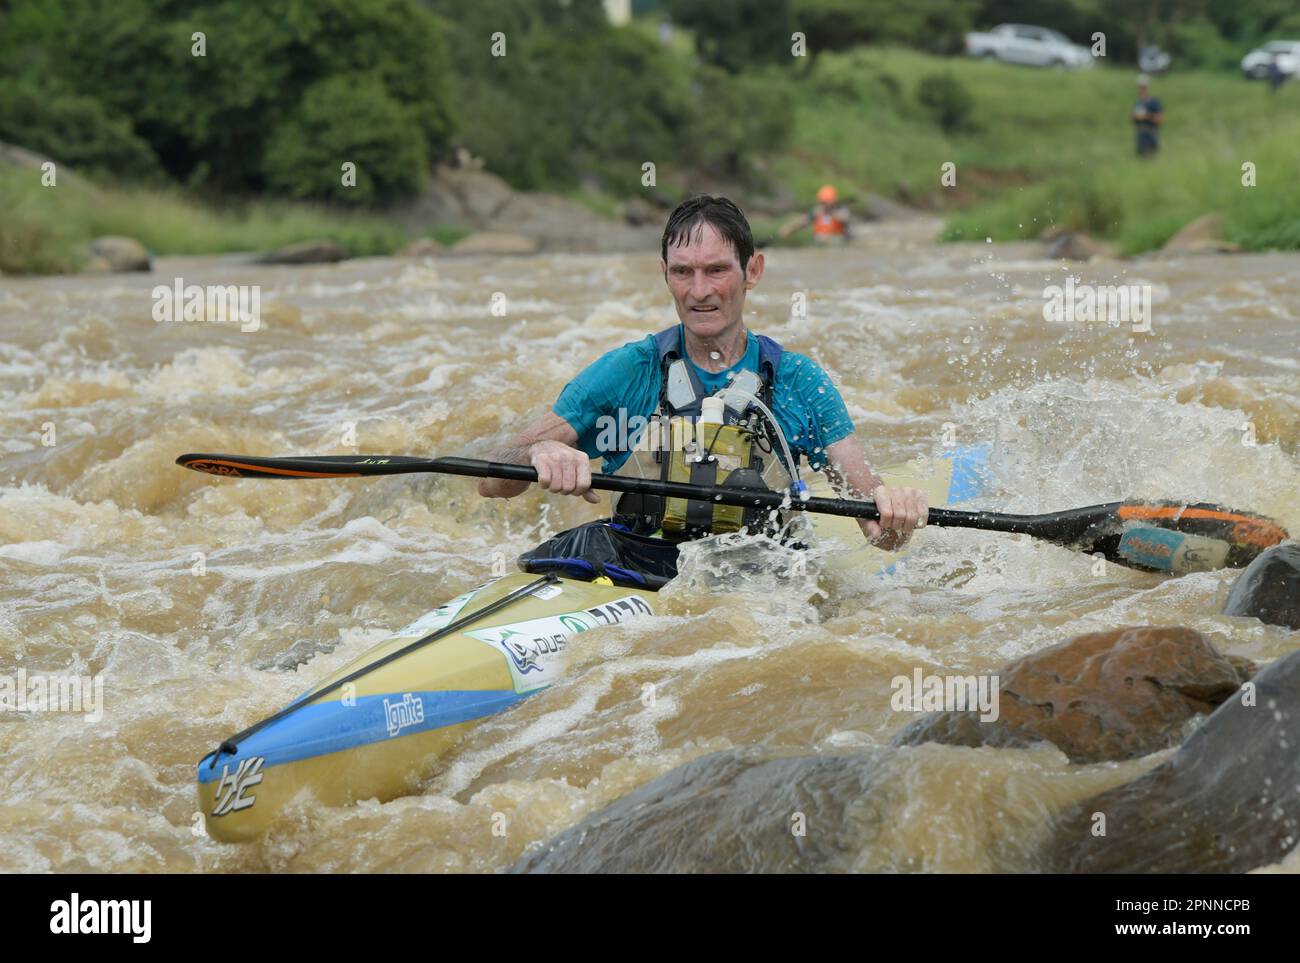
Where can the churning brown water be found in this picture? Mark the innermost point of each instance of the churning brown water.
(206, 603)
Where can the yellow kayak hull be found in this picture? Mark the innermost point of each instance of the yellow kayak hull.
(379, 735)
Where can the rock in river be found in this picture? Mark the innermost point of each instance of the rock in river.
(1269, 589)
(1227, 802)
(732, 812)
(112, 254)
(1102, 696)
(307, 252)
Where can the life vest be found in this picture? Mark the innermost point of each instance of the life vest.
(827, 223)
(678, 447)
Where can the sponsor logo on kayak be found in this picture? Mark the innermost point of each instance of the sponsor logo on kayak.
(620, 610)
(1109, 303)
(220, 304)
(527, 653)
(921, 692)
(403, 713)
(532, 648)
(232, 791)
(34, 692)
(129, 916)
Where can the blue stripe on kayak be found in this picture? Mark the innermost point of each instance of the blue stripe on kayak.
(969, 472)
(326, 727)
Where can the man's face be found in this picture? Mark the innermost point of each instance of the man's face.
(707, 284)
(1143, 92)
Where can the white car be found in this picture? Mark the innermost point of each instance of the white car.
(1019, 44)
(1255, 64)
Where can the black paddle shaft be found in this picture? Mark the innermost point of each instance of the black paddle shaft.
(1075, 522)
(1094, 528)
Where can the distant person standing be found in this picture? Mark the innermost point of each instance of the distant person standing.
(829, 219)
(1275, 74)
(1147, 115)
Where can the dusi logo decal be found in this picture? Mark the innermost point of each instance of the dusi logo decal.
(231, 789)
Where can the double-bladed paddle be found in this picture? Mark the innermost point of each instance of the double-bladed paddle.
(1148, 535)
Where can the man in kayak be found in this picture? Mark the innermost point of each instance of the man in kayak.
(829, 219)
(692, 387)
(1148, 115)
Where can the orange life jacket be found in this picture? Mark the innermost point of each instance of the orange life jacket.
(825, 222)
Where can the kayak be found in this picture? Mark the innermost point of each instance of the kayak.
(377, 727)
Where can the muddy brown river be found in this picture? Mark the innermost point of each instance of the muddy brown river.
(205, 603)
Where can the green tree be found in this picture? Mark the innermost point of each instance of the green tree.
(571, 95)
(934, 25)
(347, 119)
(946, 100)
(736, 117)
(209, 119)
(738, 34)
(73, 130)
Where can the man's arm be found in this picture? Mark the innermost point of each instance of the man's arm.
(549, 444)
(901, 509)
(795, 224)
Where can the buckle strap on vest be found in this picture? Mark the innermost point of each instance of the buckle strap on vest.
(671, 348)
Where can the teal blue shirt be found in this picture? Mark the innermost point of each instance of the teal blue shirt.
(806, 403)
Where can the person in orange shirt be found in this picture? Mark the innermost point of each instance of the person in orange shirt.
(829, 219)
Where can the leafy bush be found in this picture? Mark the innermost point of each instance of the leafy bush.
(734, 118)
(938, 26)
(946, 100)
(73, 130)
(1197, 44)
(555, 107)
(347, 119)
(853, 76)
(210, 119)
(739, 34)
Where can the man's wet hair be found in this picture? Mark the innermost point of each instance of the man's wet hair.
(690, 216)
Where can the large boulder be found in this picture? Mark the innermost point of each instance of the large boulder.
(1200, 236)
(1269, 588)
(307, 252)
(639, 211)
(1227, 802)
(1078, 247)
(738, 811)
(1098, 697)
(561, 224)
(467, 196)
(11, 155)
(112, 254)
